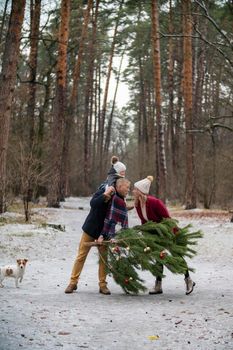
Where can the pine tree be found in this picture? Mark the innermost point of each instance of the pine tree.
(141, 247)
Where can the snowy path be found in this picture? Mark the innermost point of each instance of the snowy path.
(39, 315)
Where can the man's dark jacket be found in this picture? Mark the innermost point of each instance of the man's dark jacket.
(94, 222)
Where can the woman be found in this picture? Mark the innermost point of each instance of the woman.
(150, 208)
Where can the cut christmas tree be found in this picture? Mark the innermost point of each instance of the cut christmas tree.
(142, 247)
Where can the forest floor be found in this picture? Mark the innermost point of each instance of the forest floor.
(39, 315)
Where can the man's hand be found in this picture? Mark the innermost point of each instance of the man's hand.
(130, 207)
(100, 239)
(109, 192)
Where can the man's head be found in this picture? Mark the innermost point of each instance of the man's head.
(122, 186)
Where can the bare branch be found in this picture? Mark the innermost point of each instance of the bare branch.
(222, 117)
(211, 44)
(202, 5)
(217, 125)
(163, 35)
(200, 36)
(208, 128)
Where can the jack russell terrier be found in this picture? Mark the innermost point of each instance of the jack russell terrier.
(15, 271)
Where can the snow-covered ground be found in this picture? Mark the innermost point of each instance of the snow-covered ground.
(39, 315)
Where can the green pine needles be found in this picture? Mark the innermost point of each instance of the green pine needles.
(143, 247)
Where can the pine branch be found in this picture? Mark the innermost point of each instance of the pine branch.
(143, 247)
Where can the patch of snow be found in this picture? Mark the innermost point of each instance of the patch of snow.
(10, 215)
(39, 315)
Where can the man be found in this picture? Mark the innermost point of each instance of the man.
(92, 228)
(117, 212)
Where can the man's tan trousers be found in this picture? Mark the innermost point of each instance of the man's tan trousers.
(82, 253)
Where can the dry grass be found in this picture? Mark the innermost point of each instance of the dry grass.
(222, 215)
(17, 208)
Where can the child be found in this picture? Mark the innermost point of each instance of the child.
(116, 171)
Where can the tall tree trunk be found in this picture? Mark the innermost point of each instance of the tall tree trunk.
(34, 37)
(171, 118)
(109, 128)
(200, 68)
(59, 108)
(105, 98)
(143, 119)
(88, 105)
(158, 100)
(3, 21)
(139, 118)
(77, 68)
(41, 130)
(178, 126)
(97, 114)
(7, 85)
(151, 131)
(74, 99)
(190, 195)
(41, 117)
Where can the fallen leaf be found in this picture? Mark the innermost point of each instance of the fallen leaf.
(153, 337)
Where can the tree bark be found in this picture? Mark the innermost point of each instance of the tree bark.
(105, 98)
(171, 118)
(151, 130)
(3, 21)
(7, 82)
(190, 195)
(34, 37)
(158, 101)
(74, 100)
(178, 126)
(109, 127)
(88, 105)
(77, 68)
(143, 161)
(59, 108)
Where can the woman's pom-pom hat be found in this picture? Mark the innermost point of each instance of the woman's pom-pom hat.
(144, 184)
(114, 159)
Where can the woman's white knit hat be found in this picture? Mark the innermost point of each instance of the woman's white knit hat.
(144, 184)
(118, 166)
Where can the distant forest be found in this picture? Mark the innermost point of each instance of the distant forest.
(60, 122)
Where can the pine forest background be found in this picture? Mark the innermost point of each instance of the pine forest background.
(62, 67)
